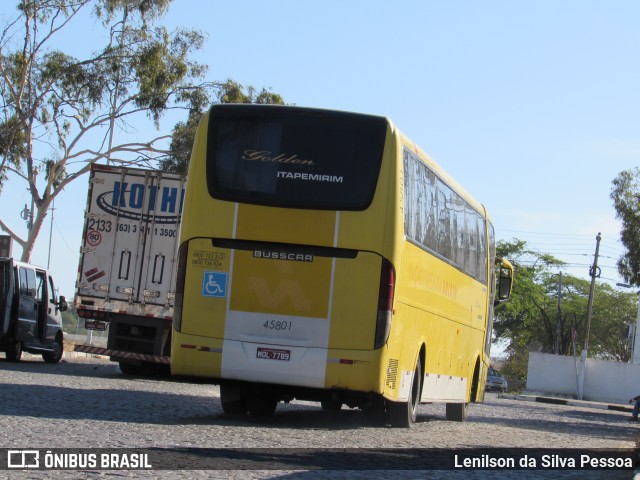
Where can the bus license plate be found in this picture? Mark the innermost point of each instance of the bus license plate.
(272, 354)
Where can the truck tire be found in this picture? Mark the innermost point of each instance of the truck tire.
(56, 355)
(128, 368)
(14, 352)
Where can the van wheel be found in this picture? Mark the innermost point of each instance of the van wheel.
(14, 352)
(403, 414)
(56, 355)
(457, 412)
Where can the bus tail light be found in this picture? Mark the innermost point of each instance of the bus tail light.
(180, 279)
(385, 303)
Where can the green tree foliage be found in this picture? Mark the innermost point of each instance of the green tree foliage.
(184, 132)
(55, 105)
(534, 320)
(626, 200)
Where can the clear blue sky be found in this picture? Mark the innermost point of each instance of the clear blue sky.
(534, 106)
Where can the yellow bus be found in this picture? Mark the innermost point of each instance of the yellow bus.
(323, 256)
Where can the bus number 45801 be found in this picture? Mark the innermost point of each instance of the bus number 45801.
(277, 325)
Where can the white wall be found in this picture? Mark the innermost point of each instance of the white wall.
(604, 381)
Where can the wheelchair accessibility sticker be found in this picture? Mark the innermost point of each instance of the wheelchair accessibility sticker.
(214, 284)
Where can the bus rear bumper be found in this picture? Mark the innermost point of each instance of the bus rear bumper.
(295, 366)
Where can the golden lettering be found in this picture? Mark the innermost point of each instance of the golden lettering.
(267, 156)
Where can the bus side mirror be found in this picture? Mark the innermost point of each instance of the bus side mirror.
(62, 304)
(505, 280)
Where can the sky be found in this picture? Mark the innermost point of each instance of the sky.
(533, 106)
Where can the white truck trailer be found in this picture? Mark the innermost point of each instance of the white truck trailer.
(127, 271)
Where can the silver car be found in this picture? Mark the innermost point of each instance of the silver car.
(495, 381)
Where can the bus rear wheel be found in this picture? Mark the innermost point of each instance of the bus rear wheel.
(457, 412)
(261, 405)
(233, 400)
(403, 414)
(331, 405)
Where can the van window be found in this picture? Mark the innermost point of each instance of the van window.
(41, 286)
(27, 282)
(52, 292)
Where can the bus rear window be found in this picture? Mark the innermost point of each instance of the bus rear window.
(294, 157)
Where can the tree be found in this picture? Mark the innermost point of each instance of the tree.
(526, 319)
(59, 114)
(546, 314)
(184, 133)
(626, 197)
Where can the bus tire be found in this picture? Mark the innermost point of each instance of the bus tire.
(376, 412)
(233, 400)
(457, 412)
(330, 405)
(14, 352)
(261, 405)
(403, 414)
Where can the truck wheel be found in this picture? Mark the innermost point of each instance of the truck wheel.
(403, 414)
(128, 368)
(457, 412)
(56, 355)
(14, 352)
(233, 400)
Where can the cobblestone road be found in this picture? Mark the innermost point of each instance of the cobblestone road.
(88, 403)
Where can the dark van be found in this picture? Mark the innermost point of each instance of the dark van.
(30, 312)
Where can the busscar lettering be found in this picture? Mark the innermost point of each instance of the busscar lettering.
(295, 257)
(267, 156)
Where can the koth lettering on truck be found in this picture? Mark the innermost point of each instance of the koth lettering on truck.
(325, 257)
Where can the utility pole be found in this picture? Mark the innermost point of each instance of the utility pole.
(594, 272)
(53, 207)
(558, 329)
